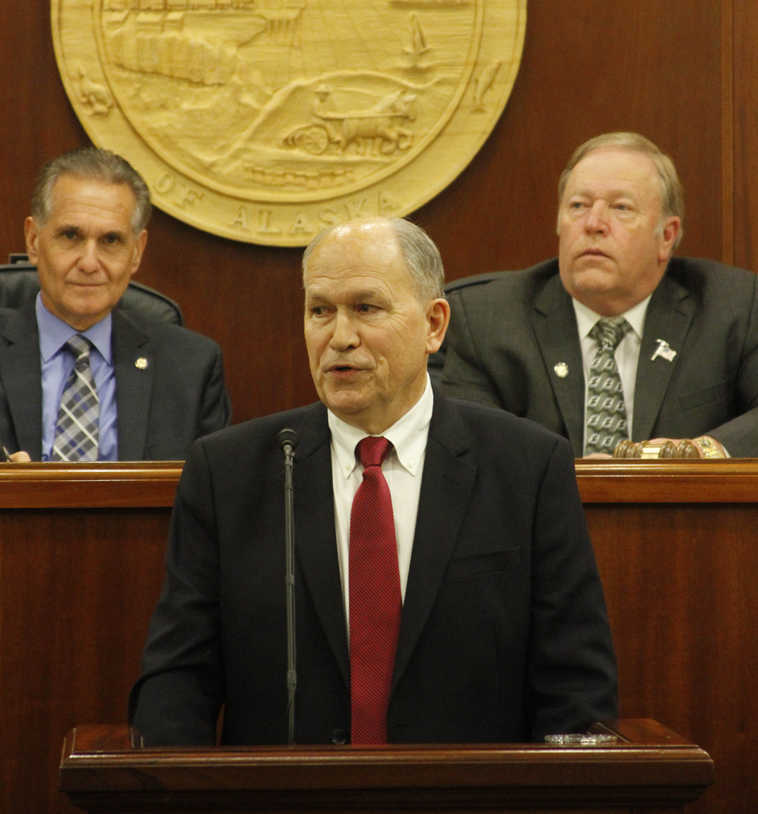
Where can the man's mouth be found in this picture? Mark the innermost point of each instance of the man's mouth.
(341, 368)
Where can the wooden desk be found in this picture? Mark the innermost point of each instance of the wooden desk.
(677, 549)
(81, 551)
(81, 564)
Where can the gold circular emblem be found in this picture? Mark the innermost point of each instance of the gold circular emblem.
(266, 120)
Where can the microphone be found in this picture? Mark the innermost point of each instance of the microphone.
(287, 438)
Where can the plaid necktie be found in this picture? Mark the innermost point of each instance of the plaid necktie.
(605, 415)
(375, 601)
(78, 424)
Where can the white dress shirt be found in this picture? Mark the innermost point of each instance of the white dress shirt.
(402, 468)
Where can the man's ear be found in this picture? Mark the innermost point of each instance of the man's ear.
(438, 318)
(31, 236)
(139, 249)
(670, 229)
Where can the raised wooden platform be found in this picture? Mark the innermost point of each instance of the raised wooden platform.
(81, 564)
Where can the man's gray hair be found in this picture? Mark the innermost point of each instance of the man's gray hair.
(672, 194)
(97, 164)
(421, 255)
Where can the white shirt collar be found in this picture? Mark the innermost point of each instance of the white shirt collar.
(407, 435)
(586, 317)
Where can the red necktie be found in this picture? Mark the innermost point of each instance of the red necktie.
(375, 601)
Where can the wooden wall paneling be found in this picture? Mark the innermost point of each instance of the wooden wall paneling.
(248, 298)
(745, 117)
(587, 68)
(655, 66)
(37, 121)
(727, 131)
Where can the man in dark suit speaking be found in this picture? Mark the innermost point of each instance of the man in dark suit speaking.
(446, 585)
(80, 381)
(615, 339)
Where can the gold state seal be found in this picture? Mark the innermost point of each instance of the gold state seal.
(265, 120)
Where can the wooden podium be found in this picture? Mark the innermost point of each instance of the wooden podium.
(649, 767)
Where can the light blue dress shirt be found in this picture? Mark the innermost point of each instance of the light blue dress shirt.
(57, 363)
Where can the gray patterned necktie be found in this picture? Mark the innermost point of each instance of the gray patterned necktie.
(605, 414)
(78, 425)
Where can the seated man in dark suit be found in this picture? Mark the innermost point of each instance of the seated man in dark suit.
(675, 357)
(78, 380)
(445, 592)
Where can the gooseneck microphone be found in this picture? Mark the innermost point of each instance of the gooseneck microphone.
(287, 440)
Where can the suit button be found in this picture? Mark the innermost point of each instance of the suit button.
(339, 737)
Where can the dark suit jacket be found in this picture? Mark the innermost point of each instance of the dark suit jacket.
(508, 333)
(162, 407)
(504, 635)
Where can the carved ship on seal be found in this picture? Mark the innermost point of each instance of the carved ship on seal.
(261, 6)
(152, 36)
(430, 3)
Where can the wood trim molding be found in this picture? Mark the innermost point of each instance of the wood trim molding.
(98, 769)
(153, 484)
(91, 486)
(693, 481)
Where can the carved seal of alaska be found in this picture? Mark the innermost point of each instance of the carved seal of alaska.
(266, 120)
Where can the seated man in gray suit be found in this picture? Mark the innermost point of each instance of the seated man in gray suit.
(615, 339)
(78, 380)
(465, 605)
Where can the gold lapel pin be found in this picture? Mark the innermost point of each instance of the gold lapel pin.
(140, 363)
(561, 370)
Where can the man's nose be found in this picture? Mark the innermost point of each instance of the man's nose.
(344, 334)
(597, 217)
(89, 260)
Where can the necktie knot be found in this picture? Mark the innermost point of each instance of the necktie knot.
(609, 331)
(372, 450)
(79, 347)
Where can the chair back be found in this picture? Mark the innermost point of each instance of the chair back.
(19, 284)
(437, 360)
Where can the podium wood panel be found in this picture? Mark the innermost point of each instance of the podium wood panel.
(677, 549)
(81, 563)
(650, 766)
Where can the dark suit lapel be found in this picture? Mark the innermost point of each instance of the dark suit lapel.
(554, 325)
(21, 373)
(133, 365)
(448, 479)
(315, 541)
(668, 319)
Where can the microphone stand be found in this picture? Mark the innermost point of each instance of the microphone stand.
(287, 439)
